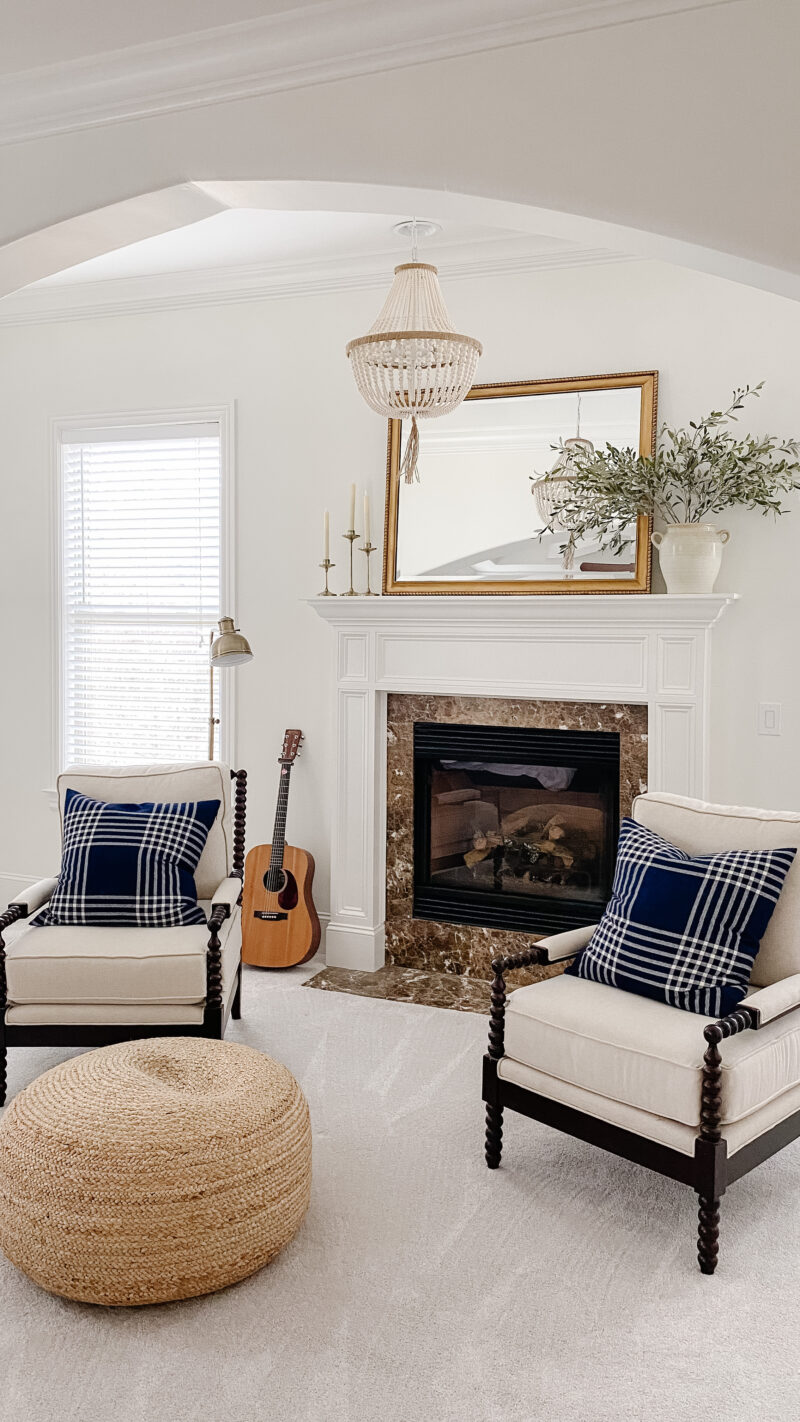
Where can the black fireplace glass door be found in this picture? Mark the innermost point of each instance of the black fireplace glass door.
(514, 827)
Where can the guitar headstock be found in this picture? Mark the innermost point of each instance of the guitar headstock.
(292, 741)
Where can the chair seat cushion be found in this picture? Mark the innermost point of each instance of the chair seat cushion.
(674, 1134)
(128, 864)
(79, 965)
(680, 929)
(644, 1053)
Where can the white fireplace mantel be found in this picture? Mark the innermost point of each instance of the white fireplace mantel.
(650, 650)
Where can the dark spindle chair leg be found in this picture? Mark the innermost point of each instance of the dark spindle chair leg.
(10, 916)
(708, 1235)
(494, 1136)
(494, 1114)
(710, 1115)
(711, 1134)
(497, 1013)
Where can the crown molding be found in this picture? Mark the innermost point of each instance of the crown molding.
(305, 45)
(174, 291)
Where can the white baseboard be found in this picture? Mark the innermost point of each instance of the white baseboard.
(322, 953)
(349, 947)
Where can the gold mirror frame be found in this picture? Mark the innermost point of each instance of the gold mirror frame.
(646, 380)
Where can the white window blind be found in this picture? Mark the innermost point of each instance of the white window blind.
(141, 560)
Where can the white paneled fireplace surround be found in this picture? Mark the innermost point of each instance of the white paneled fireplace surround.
(653, 651)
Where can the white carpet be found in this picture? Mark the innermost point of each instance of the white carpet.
(422, 1285)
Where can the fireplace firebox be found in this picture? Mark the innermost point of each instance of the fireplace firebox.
(514, 827)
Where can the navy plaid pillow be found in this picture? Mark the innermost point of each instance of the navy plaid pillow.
(129, 865)
(684, 930)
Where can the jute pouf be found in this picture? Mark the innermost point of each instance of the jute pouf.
(153, 1170)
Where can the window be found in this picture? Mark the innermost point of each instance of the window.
(143, 578)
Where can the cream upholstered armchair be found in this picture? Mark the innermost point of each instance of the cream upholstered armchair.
(699, 1100)
(88, 986)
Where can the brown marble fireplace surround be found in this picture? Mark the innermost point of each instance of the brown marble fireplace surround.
(461, 948)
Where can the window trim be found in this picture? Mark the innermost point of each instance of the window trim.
(63, 430)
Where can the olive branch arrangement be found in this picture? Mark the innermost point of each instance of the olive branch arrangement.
(694, 473)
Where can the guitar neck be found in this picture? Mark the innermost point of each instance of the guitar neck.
(279, 828)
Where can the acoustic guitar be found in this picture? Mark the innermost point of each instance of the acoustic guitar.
(280, 927)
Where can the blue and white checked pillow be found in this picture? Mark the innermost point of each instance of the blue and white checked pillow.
(684, 930)
(129, 866)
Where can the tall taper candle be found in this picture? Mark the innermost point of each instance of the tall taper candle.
(352, 522)
(366, 517)
(326, 535)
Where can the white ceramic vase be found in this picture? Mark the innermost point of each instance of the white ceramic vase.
(690, 555)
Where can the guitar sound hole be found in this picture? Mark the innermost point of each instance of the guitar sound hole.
(274, 880)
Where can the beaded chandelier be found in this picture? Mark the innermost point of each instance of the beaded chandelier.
(412, 364)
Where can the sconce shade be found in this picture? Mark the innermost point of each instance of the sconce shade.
(230, 647)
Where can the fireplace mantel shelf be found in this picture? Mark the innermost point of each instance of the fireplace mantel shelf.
(602, 649)
(653, 610)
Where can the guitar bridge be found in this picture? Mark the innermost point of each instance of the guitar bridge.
(269, 917)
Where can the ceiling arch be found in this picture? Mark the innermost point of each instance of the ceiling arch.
(669, 137)
(88, 235)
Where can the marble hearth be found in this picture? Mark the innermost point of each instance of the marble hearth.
(460, 947)
(645, 657)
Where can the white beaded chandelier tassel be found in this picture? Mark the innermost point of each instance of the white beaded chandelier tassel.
(412, 364)
(409, 469)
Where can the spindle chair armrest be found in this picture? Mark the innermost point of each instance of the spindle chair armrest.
(229, 893)
(34, 897)
(767, 1003)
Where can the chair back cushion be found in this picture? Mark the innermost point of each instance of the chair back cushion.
(166, 784)
(700, 828)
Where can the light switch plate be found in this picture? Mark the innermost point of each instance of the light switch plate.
(769, 718)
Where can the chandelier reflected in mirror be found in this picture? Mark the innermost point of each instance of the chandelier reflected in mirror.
(550, 490)
(412, 363)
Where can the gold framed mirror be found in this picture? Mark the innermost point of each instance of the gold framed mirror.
(472, 522)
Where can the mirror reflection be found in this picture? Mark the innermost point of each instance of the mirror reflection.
(486, 475)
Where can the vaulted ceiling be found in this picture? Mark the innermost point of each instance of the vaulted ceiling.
(663, 127)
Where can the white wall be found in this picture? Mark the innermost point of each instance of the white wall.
(303, 433)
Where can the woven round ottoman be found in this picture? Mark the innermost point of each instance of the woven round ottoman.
(153, 1170)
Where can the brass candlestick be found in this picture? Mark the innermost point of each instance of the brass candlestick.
(368, 548)
(326, 592)
(351, 537)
